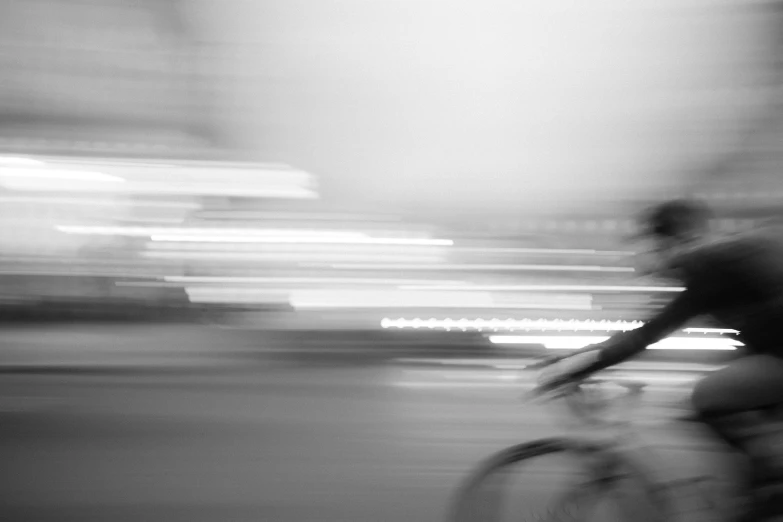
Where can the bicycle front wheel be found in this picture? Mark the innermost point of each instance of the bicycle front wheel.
(557, 480)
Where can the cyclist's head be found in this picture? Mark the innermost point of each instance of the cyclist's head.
(678, 220)
(669, 229)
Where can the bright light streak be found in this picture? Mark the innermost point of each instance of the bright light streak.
(305, 239)
(482, 267)
(366, 298)
(237, 295)
(179, 205)
(530, 324)
(344, 252)
(395, 299)
(169, 180)
(10, 160)
(308, 259)
(251, 215)
(553, 288)
(552, 342)
(59, 174)
(196, 232)
(247, 235)
(511, 324)
(218, 189)
(520, 363)
(153, 188)
(546, 251)
(286, 280)
(711, 330)
(549, 341)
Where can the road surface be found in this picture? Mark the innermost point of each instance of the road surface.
(284, 440)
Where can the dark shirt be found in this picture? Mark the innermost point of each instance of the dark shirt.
(737, 280)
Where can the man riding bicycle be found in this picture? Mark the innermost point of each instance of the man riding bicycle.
(737, 280)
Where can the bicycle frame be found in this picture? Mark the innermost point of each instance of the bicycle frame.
(626, 445)
(617, 465)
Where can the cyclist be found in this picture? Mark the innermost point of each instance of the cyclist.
(738, 280)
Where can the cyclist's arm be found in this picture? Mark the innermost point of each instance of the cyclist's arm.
(625, 345)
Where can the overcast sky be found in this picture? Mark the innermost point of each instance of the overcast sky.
(502, 104)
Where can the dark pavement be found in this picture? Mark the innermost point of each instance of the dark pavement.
(281, 440)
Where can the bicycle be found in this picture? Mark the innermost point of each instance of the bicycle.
(610, 467)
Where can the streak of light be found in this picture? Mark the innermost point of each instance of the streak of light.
(577, 342)
(546, 251)
(287, 280)
(13, 160)
(305, 258)
(487, 267)
(55, 174)
(100, 203)
(554, 288)
(531, 324)
(306, 240)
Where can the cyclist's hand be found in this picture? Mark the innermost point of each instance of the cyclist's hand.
(562, 372)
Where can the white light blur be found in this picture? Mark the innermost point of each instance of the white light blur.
(546, 251)
(218, 189)
(321, 299)
(309, 259)
(205, 295)
(305, 240)
(213, 234)
(11, 160)
(59, 174)
(577, 342)
(553, 288)
(522, 362)
(363, 252)
(196, 232)
(251, 215)
(284, 280)
(530, 324)
(482, 267)
(711, 330)
(304, 299)
(179, 205)
(247, 235)
(168, 181)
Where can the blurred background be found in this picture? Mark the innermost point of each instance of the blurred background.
(282, 260)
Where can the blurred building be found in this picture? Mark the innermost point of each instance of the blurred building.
(131, 172)
(104, 77)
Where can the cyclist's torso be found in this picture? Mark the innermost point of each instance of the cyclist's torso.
(740, 280)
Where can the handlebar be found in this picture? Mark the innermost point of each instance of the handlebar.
(585, 398)
(549, 360)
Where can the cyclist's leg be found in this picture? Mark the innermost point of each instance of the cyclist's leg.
(726, 400)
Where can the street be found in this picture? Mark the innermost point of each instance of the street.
(282, 441)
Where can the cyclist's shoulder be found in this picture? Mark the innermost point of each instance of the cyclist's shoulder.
(741, 252)
(766, 240)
